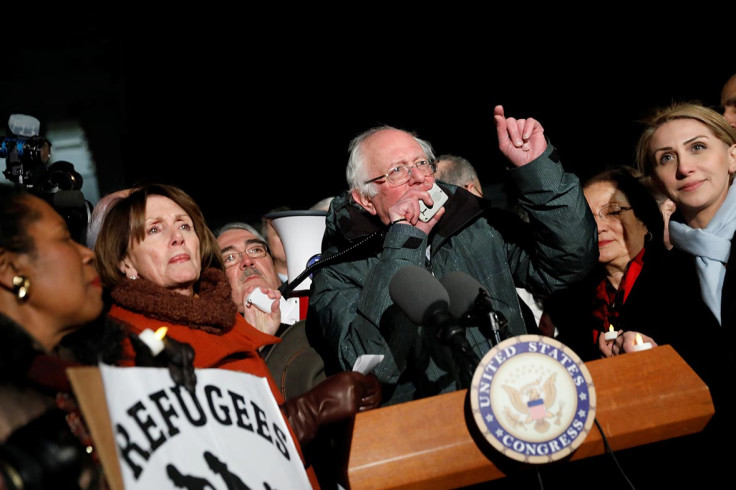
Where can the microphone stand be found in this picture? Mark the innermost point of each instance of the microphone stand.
(453, 335)
(496, 320)
(495, 326)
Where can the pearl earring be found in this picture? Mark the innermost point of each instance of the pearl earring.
(21, 285)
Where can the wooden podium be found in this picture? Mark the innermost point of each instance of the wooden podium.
(642, 398)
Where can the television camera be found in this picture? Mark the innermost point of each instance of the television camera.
(26, 160)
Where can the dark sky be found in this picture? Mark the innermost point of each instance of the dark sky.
(247, 121)
(277, 133)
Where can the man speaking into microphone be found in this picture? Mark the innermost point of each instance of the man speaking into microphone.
(394, 216)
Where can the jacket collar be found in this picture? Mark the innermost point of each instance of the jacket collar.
(348, 222)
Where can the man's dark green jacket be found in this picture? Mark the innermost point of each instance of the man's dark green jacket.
(351, 312)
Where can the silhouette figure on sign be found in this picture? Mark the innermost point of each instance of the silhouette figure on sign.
(187, 481)
(232, 480)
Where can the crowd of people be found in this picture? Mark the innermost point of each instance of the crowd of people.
(642, 250)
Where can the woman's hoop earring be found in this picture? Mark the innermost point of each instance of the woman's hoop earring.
(21, 286)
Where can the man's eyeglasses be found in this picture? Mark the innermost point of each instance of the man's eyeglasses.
(254, 252)
(611, 211)
(402, 173)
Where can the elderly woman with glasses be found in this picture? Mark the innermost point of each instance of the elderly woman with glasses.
(621, 295)
(163, 267)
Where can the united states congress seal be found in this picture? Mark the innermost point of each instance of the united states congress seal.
(533, 399)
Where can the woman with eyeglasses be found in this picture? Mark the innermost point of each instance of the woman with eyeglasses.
(618, 295)
(683, 297)
(163, 267)
(688, 153)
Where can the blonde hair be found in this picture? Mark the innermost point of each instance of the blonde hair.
(682, 110)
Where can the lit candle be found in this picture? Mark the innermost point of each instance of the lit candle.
(154, 340)
(611, 334)
(640, 345)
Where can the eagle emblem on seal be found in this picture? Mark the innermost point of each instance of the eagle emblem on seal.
(532, 403)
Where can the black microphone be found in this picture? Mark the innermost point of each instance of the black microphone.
(470, 302)
(420, 296)
(463, 290)
(426, 302)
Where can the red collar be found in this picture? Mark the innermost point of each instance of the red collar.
(630, 274)
(609, 299)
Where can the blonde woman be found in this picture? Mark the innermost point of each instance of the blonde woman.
(689, 151)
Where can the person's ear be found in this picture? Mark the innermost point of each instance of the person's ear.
(127, 268)
(732, 159)
(471, 187)
(365, 202)
(8, 268)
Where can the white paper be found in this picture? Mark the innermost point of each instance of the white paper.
(289, 310)
(231, 434)
(365, 363)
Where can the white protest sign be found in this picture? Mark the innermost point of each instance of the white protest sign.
(230, 434)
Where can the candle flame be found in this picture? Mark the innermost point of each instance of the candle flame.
(610, 329)
(161, 332)
(638, 339)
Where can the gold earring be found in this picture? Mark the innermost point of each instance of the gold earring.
(21, 285)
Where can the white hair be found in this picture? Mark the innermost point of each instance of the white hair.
(356, 171)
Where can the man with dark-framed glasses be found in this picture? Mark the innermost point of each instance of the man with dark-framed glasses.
(389, 171)
(249, 265)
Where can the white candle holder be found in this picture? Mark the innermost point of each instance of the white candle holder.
(639, 345)
(152, 340)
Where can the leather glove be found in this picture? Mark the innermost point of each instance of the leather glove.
(177, 356)
(335, 399)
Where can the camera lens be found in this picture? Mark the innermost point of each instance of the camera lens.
(62, 176)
